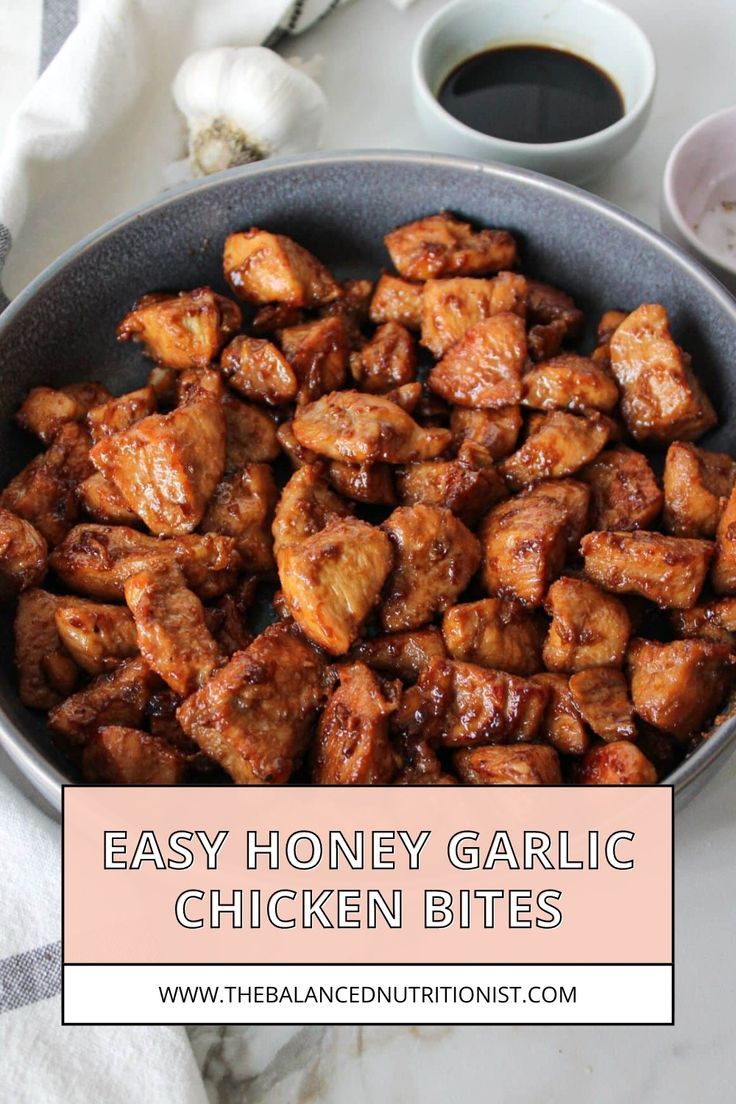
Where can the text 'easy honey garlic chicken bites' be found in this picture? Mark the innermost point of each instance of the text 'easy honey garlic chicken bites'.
(448, 503)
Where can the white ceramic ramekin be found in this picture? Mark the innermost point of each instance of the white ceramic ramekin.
(593, 29)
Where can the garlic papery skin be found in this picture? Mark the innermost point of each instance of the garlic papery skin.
(246, 103)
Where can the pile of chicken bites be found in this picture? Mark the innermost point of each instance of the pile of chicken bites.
(475, 573)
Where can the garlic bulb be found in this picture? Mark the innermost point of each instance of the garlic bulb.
(245, 104)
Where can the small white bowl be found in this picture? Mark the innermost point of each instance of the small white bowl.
(700, 176)
(592, 29)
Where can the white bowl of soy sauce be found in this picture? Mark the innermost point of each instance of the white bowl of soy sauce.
(563, 87)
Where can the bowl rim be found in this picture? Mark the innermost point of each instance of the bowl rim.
(588, 142)
(46, 777)
(673, 207)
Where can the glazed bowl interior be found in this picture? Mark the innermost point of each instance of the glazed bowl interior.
(62, 327)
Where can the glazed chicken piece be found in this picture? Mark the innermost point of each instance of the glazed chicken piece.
(397, 300)
(625, 493)
(442, 245)
(524, 543)
(306, 505)
(271, 268)
(46, 672)
(410, 397)
(468, 492)
(44, 491)
(401, 655)
(167, 465)
(678, 687)
(460, 705)
(182, 331)
(669, 571)
(617, 764)
(436, 556)
(570, 382)
(363, 482)
(259, 371)
(45, 410)
(251, 434)
(255, 714)
(363, 429)
(574, 498)
(724, 563)
(495, 632)
(352, 746)
(483, 369)
(117, 415)
(126, 756)
(97, 559)
(22, 555)
(697, 486)
(297, 455)
(118, 697)
(562, 726)
(97, 637)
(333, 579)
(662, 399)
(272, 317)
(588, 629)
(561, 444)
(242, 507)
(318, 355)
(102, 502)
(711, 621)
(553, 319)
(451, 307)
(388, 360)
(227, 619)
(170, 625)
(520, 765)
(352, 309)
(495, 430)
(601, 696)
(608, 323)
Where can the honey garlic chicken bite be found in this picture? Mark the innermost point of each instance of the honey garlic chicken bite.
(270, 268)
(22, 555)
(625, 493)
(352, 746)
(121, 413)
(601, 696)
(167, 465)
(574, 498)
(497, 430)
(711, 621)
(520, 765)
(589, 628)
(678, 687)
(560, 445)
(318, 355)
(182, 331)
(562, 726)
(102, 502)
(364, 429)
(553, 319)
(483, 369)
(97, 637)
(724, 563)
(495, 632)
(115, 698)
(372, 483)
(617, 764)
(524, 542)
(333, 579)
(388, 360)
(250, 434)
(306, 505)
(435, 557)
(570, 382)
(451, 307)
(45, 410)
(697, 486)
(46, 671)
(259, 371)
(170, 625)
(242, 507)
(401, 655)
(669, 571)
(254, 715)
(468, 492)
(126, 757)
(662, 399)
(397, 300)
(443, 245)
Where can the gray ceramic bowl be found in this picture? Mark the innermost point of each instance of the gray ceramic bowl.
(62, 327)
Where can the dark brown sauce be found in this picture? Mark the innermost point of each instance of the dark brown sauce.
(531, 94)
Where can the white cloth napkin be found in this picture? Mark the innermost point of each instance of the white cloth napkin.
(92, 137)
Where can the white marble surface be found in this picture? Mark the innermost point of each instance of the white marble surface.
(366, 76)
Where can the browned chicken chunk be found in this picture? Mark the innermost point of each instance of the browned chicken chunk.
(46, 672)
(495, 430)
(182, 331)
(258, 370)
(363, 482)
(388, 360)
(442, 245)
(403, 655)
(495, 632)
(712, 621)
(678, 687)
(562, 444)
(524, 542)
(468, 492)
(251, 434)
(521, 765)
(117, 415)
(126, 756)
(397, 300)
(724, 563)
(562, 727)
(318, 355)
(574, 498)
(617, 764)
(45, 410)
(97, 637)
(697, 486)
(588, 629)
(570, 382)
(297, 455)
(333, 579)
(102, 502)
(553, 318)
(305, 507)
(116, 698)
(436, 556)
(272, 317)
(625, 494)
(669, 571)
(661, 398)
(451, 307)
(483, 369)
(254, 715)
(271, 268)
(22, 555)
(601, 696)
(352, 746)
(242, 507)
